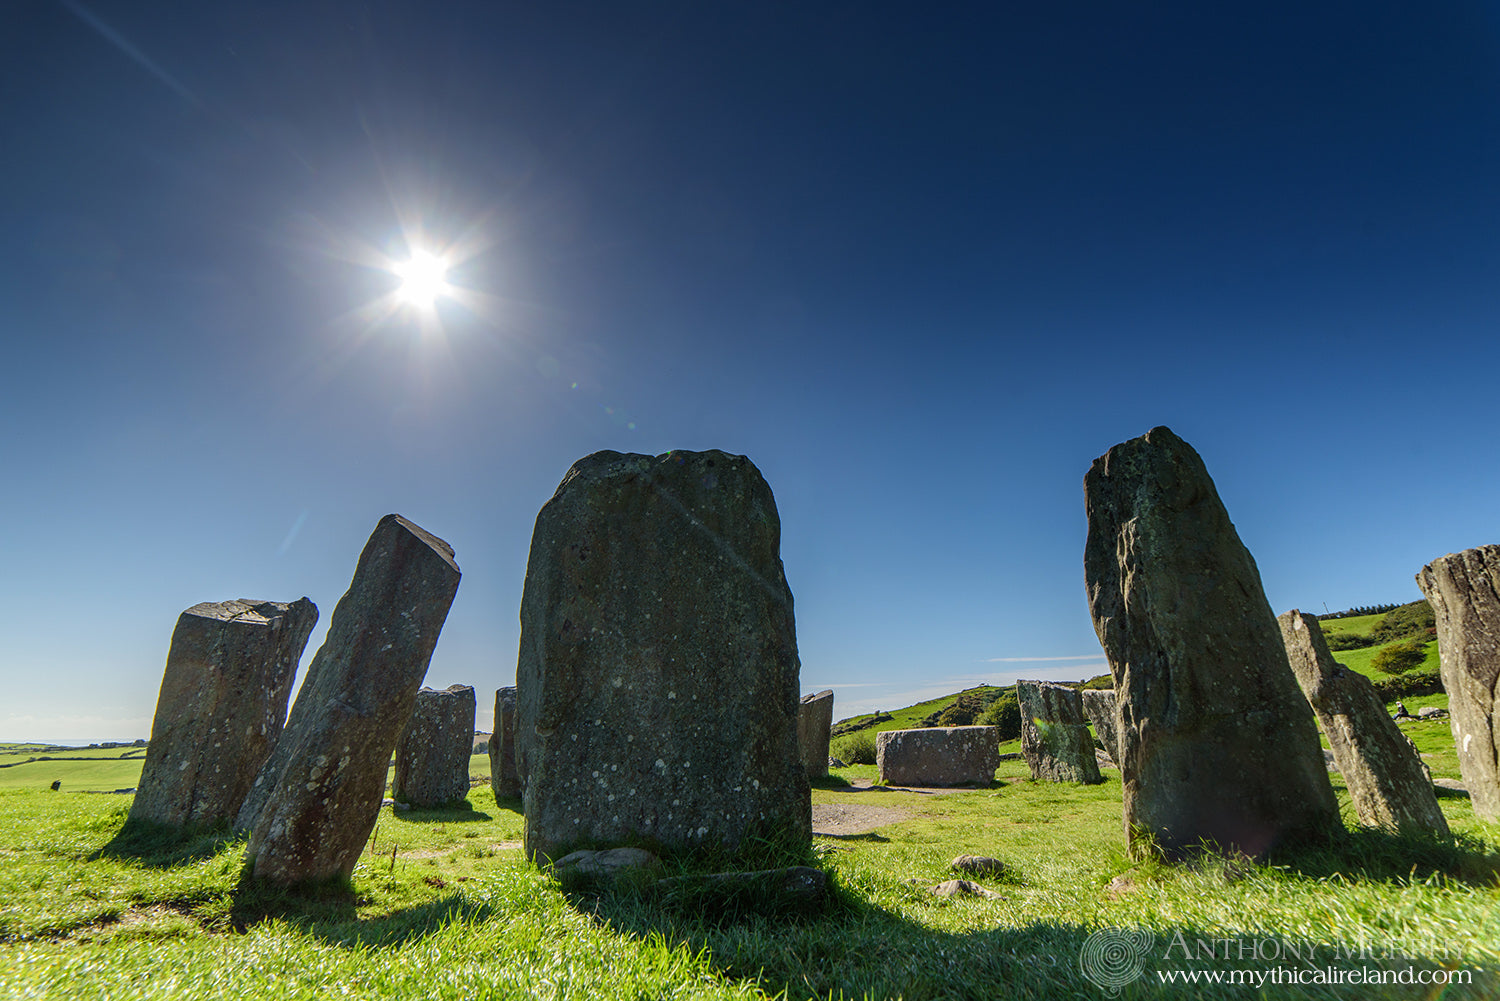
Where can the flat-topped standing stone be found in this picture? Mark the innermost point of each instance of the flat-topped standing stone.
(502, 746)
(814, 725)
(432, 755)
(1055, 737)
(1384, 775)
(222, 704)
(317, 797)
(938, 755)
(1217, 743)
(1099, 706)
(1464, 589)
(657, 682)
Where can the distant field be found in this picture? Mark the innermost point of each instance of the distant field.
(79, 769)
(1353, 624)
(1359, 660)
(911, 716)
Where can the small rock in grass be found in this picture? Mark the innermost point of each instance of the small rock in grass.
(978, 865)
(964, 888)
(608, 863)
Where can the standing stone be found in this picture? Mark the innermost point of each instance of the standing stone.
(317, 797)
(657, 686)
(432, 755)
(1384, 775)
(1055, 737)
(1464, 589)
(504, 780)
(938, 756)
(1217, 744)
(814, 725)
(222, 704)
(1100, 707)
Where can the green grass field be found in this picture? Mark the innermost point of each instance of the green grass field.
(443, 905)
(457, 913)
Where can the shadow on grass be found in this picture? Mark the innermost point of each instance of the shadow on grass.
(1374, 854)
(454, 813)
(164, 846)
(856, 948)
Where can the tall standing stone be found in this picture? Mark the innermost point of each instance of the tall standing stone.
(504, 780)
(1055, 737)
(221, 708)
(814, 727)
(433, 752)
(657, 686)
(1384, 775)
(1100, 707)
(317, 797)
(1217, 744)
(1464, 590)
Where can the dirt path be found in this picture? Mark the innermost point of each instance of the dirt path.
(836, 819)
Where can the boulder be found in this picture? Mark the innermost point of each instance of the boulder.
(657, 685)
(1055, 737)
(502, 746)
(1464, 590)
(814, 723)
(1217, 744)
(607, 864)
(1385, 777)
(432, 754)
(963, 888)
(221, 707)
(978, 865)
(938, 756)
(1099, 706)
(316, 799)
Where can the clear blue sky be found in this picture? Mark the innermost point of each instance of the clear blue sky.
(921, 264)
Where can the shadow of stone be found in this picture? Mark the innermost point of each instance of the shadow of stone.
(858, 949)
(403, 926)
(454, 814)
(1379, 855)
(163, 846)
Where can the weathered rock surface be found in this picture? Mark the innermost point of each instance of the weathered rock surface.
(432, 754)
(657, 686)
(1055, 738)
(608, 864)
(221, 708)
(1384, 775)
(504, 780)
(963, 888)
(978, 865)
(938, 755)
(1100, 707)
(1464, 590)
(317, 797)
(814, 724)
(1216, 742)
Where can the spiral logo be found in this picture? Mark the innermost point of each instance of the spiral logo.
(1113, 957)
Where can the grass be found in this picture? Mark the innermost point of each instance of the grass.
(90, 908)
(911, 716)
(82, 769)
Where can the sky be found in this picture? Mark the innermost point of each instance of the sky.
(922, 264)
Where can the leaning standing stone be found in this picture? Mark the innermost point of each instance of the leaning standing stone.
(1384, 776)
(432, 756)
(1217, 744)
(814, 725)
(316, 800)
(1099, 706)
(1464, 589)
(1055, 737)
(222, 704)
(502, 746)
(657, 687)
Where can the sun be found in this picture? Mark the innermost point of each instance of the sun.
(423, 279)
